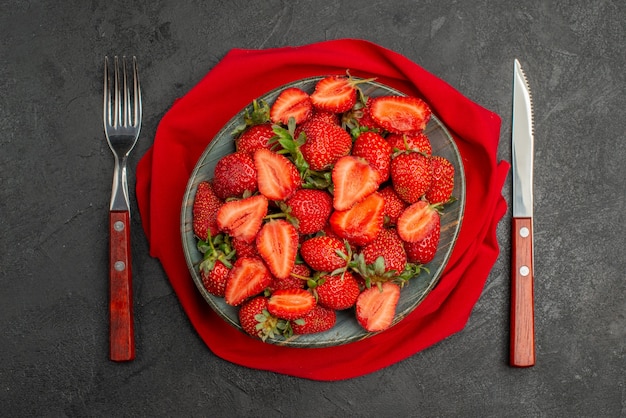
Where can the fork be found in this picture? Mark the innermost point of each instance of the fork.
(122, 123)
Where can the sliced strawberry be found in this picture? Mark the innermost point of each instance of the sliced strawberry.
(319, 319)
(362, 222)
(424, 251)
(277, 243)
(417, 221)
(335, 94)
(376, 306)
(376, 151)
(277, 177)
(291, 303)
(354, 179)
(442, 186)
(234, 174)
(417, 142)
(247, 278)
(204, 211)
(310, 209)
(255, 137)
(400, 114)
(242, 219)
(321, 253)
(411, 175)
(291, 103)
(325, 144)
(337, 292)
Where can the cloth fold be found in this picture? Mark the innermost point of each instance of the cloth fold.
(243, 75)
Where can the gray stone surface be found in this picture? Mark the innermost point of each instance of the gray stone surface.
(55, 170)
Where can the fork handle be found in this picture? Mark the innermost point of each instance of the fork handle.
(122, 338)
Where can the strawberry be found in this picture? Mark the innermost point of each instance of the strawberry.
(319, 319)
(204, 211)
(376, 306)
(322, 253)
(277, 177)
(296, 279)
(291, 103)
(362, 222)
(277, 243)
(291, 303)
(394, 205)
(234, 174)
(247, 278)
(354, 179)
(214, 280)
(417, 221)
(388, 246)
(255, 137)
(400, 114)
(309, 209)
(376, 151)
(363, 118)
(243, 218)
(337, 292)
(325, 144)
(424, 250)
(324, 116)
(411, 175)
(443, 180)
(256, 320)
(335, 93)
(243, 248)
(416, 142)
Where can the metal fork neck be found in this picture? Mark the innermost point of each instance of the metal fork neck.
(119, 193)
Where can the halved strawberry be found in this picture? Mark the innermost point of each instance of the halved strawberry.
(416, 142)
(319, 319)
(399, 114)
(204, 211)
(376, 151)
(309, 209)
(354, 179)
(325, 144)
(247, 278)
(242, 219)
(321, 253)
(417, 221)
(255, 137)
(411, 175)
(442, 186)
(424, 250)
(376, 306)
(277, 176)
(291, 103)
(291, 303)
(337, 292)
(277, 243)
(234, 174)
(335, 94)
(362, 222)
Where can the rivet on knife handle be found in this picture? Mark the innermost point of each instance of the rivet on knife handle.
(522, 295)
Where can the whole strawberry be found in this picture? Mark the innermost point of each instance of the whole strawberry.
(309, 209)
(204, 211)
(375, 150)
(234, 174)
(394, 205)
(337, 292)
(296, 280)
(256, 320)
(214, 280)
(411, 175)
(255, 137)
(324, 253)
(442, 186)
(385, 256)
(319, 319)
(325, 144)
(416, 142)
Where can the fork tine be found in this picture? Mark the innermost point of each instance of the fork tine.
(107, 94)
(137, 94)
(125, 105)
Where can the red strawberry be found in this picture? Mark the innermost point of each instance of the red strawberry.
(416, 142)
(364, 120)
(277, 243)
(291, 303)
(291, 103)
(325, 144)
(214, 280)
(394, 205)
(255, 319)
(443, 180)
(319, 319)
(400, 114)
(362, 222)
(387, 245)
(204, 211)
(337, 292)
(277, 177)
(242, 219)
(234, 174)
(255, 137)
(417, 221)
(424, 250)
(376, 306)
(354, 179)
(324, 116)
(296, 279)
(376, 151)
(335, 93)
(411, 175)
(321, 253)
(247, 278)
(243, 248)
(310, 209)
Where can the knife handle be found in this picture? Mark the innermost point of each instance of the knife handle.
(522, 298)
(122, 337)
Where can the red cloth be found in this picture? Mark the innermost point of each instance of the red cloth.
(243, 75)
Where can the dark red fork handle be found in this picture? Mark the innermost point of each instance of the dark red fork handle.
(122, 338)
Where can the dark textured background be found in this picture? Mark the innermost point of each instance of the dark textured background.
(55, 171)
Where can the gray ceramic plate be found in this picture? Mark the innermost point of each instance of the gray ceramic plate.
(347, 329)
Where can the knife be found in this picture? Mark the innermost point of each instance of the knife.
(522, 293)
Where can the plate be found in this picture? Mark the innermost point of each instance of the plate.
(346, 329)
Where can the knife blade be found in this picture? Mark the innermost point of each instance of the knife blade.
(522, 349)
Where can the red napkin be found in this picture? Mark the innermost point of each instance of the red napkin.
(244, 75)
